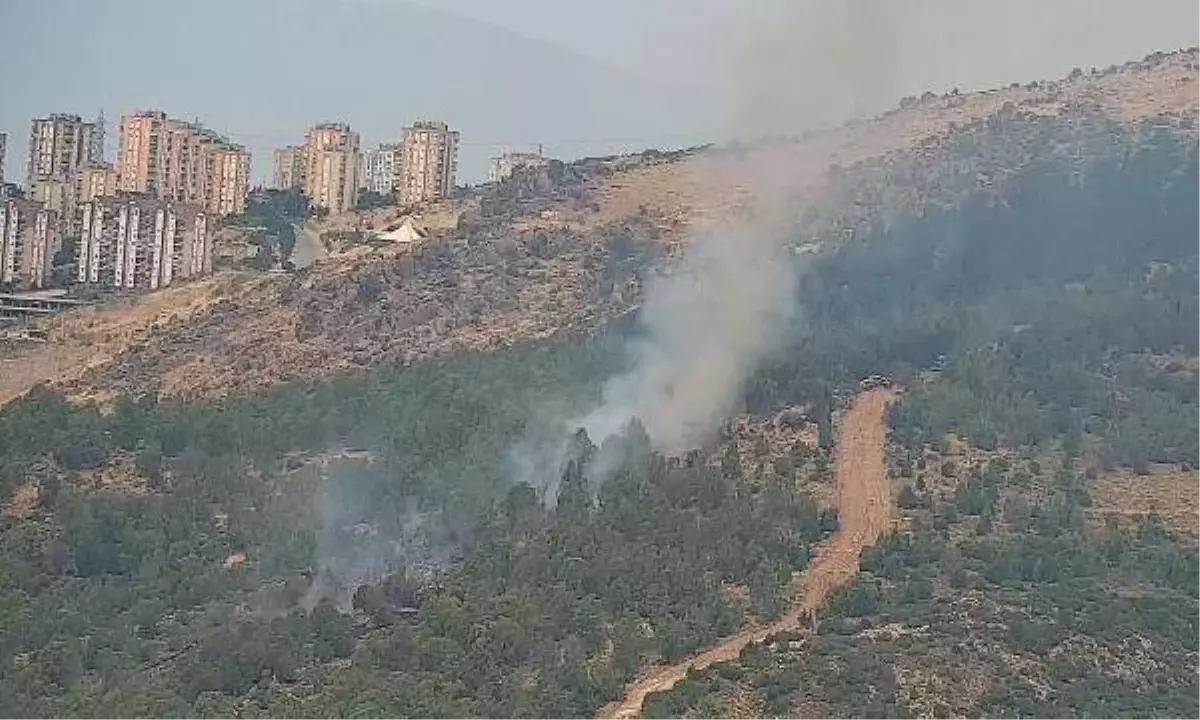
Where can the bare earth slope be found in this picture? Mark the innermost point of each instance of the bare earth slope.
(864, 514)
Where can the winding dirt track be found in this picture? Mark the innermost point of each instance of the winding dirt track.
(864, 514)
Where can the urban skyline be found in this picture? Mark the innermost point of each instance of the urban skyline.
(262, 147)
(137, 223)
(145, 217)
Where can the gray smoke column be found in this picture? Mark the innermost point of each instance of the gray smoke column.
(702, 330)
(705, 325)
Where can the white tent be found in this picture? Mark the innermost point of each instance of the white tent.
(406, 232)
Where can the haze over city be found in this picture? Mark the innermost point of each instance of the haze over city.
(577, 78)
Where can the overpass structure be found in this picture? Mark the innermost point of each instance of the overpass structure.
(23, 304)
(18, 310)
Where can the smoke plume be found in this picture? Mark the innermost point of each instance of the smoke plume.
(704, 325)
(702, 329)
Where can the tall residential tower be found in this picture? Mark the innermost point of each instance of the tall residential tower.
(58, 146)
(332, 159)
(380, 169)
(429, 161)
(291, 166)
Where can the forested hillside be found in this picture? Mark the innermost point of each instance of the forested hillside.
(357, 545)
(1052, 320)
(128, 600)
(991, 605)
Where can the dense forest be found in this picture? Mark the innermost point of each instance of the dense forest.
(357, 546)
(126, 603)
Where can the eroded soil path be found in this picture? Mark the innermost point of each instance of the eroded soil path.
(864, 515)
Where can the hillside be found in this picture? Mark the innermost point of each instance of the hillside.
(409, 482)
(525, 262)
(864, 507)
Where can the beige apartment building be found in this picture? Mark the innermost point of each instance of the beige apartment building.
(227, 180)
(93, 182)
(59, 145)
(28, 242)
(139, 159)
(181, 161)
(332, 167)
(184, 161)
(291, 165)
(429, 160)
(142, 242)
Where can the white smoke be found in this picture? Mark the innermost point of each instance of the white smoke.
(730, 301)
(703, 329)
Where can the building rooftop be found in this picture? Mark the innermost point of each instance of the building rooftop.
(429, 125)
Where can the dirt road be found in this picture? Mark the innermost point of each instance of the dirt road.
(308, 248)
(864, 514)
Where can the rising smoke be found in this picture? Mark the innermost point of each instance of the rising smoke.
(702, 330)
(705, 325)
(358, 544)
(806, 65)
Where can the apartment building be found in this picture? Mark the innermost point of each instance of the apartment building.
(139, 158)
(182, 161)
(28, 242)
(291, 165)
(380, 167)
(142, 242)
(59, 145)
(3, 150)
(228, 180)
(332, 170)
(93, 182)
(502, 166)
(428, 163)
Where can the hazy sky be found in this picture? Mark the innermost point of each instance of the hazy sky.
(996, 41)
(81, 55)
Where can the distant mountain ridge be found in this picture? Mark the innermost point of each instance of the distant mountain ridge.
(375, 65)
